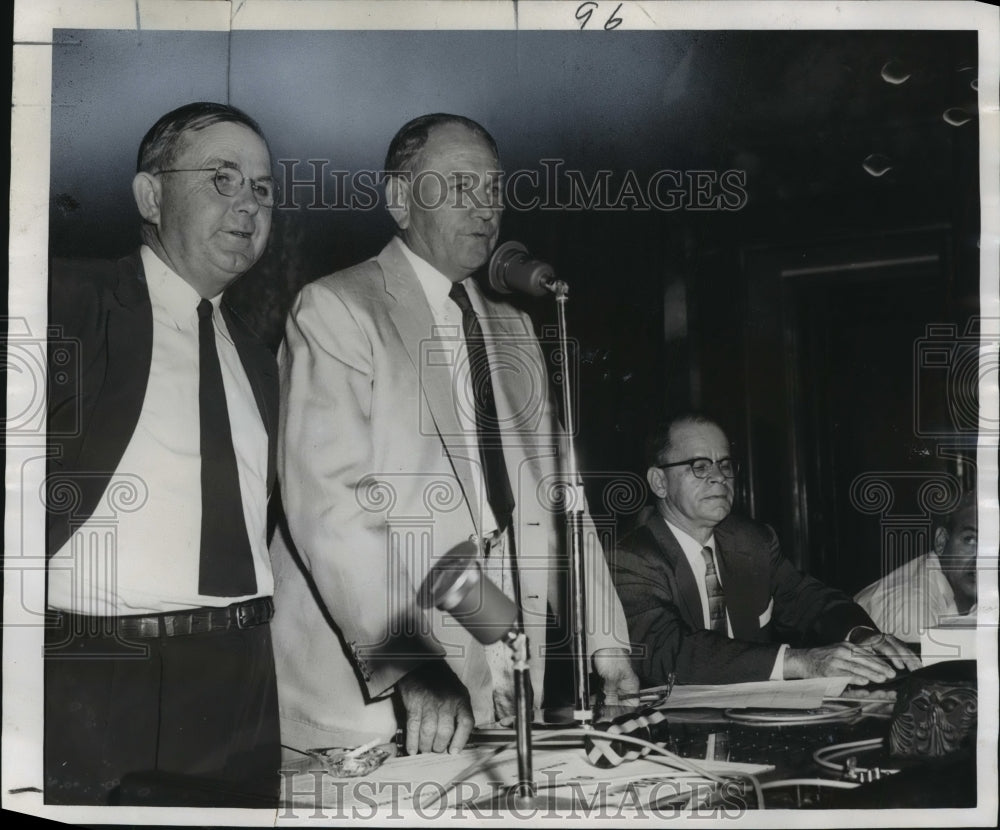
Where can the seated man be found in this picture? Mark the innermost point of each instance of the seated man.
(942, 583)
(708, 595)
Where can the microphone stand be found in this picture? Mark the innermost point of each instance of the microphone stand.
(574, 501)
(457, 586)
(524, 790)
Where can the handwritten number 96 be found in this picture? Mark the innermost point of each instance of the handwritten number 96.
(585, 10)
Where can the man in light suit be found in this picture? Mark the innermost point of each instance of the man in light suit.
(708, 595)
(387, 461)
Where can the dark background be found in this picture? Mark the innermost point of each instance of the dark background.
(829, 321)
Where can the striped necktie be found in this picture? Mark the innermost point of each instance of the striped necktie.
(716, 599)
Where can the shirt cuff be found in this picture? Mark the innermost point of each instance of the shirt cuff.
(778, 672)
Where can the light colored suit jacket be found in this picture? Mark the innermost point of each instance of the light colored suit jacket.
(377, 482)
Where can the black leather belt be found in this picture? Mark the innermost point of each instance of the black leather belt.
(239, 615)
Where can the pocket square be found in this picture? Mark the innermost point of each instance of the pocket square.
(765, 618)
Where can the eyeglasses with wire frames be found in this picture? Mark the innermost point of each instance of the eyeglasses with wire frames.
(229, 182)
(701, 467)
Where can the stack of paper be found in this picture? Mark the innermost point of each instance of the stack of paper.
(765, 694)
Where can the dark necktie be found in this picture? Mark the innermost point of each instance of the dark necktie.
(226, 568)
(498, 492)
(716, 599)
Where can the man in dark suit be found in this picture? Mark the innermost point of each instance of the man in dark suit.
(159, 671)
(708, 596)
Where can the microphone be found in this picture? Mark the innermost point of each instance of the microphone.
(512, 269)
(456, 585)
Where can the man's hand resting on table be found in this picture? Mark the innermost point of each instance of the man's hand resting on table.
(870, 658)
(438, 709)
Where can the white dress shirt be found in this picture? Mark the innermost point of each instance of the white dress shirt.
(911, 599)
(692, 552)
(139, 552)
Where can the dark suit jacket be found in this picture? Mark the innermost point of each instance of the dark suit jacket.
(100, 347)
(768, 600)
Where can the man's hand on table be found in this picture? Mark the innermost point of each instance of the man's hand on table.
(619, 682)
(438, 709)
(888, 647)
(869, 658)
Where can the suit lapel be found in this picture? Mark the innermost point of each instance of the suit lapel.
(687, 588)
(735, 570)
(520, 387)
(412, 318)
(116, 411)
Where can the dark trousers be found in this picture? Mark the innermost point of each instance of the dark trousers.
(185, 720)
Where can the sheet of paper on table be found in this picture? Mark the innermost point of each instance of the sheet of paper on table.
(562, 774)
(765, 694)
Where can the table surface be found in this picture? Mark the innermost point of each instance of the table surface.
(696, 734)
